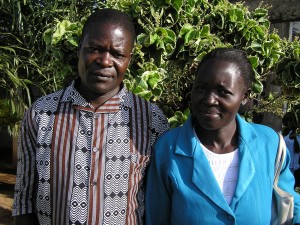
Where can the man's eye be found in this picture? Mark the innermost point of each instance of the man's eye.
(92, 49)
(199, 88)
(118, 55)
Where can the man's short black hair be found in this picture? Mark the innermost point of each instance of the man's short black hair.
(112, 16)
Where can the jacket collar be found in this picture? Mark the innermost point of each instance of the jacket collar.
(187, 142)
(203, 177)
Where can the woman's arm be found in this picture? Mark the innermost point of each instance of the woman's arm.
(286, 182)
(158, 197)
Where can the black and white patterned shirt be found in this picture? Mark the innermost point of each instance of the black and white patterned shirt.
(80, 165)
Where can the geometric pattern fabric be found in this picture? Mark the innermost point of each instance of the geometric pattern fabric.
(78, 165)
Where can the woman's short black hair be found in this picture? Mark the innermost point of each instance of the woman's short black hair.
(113, 16)
(236, 56)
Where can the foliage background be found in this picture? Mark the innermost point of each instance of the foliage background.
(38, 46)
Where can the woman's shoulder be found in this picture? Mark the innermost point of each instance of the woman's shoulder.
(259, 130)
(170, 136)
(264, 131)
(263, 137)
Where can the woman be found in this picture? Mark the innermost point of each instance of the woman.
(216, 168)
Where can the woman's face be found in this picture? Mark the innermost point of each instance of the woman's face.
(217, 94)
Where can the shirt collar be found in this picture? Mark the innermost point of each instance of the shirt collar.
(78, 101)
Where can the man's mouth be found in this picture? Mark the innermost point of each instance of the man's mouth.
(101, 76)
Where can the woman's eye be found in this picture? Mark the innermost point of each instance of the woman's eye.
(199, 88)
(225, 92)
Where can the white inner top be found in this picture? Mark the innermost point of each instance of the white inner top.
(225, 167)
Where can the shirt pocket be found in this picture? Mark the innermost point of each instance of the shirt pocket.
(138, 164)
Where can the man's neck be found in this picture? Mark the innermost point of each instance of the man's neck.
(96, 100)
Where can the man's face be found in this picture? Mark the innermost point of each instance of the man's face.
(104, 56)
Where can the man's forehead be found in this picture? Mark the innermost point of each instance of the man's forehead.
(111, 24)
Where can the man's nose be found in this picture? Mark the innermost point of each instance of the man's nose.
(104, 59)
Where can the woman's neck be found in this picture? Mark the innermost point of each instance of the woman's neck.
(219, 141)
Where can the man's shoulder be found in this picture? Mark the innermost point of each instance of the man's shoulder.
(48, 101)
(156, 115)
(132, 99)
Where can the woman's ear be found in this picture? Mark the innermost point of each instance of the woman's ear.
(244, 101)
(246, 97)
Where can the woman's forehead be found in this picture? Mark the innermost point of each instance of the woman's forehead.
(219, 71)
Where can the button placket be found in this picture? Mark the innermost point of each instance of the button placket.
(94, 151)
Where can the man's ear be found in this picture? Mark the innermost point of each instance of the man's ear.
(78, 49)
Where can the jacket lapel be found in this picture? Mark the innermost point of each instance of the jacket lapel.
(205, 180)
(246, 165)
(203, 177)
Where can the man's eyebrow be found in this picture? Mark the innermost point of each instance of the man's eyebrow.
(94, 42)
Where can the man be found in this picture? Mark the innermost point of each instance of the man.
(83, 150)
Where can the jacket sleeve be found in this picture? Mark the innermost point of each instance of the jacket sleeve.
(24, 196)
(158, 193)
(286, 182)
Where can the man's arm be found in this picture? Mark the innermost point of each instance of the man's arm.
(26, 186)
(27, 219)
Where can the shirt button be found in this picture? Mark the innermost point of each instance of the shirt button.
(95, 149)
(96, 116)
(94, 183)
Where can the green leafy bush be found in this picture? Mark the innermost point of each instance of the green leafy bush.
(173, 36)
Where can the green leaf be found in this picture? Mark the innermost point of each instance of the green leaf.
(143, 39)
(153, 82)
(260, 31)
(257, 86)
(60, 31)
(177, 4)
(153, 38)
(189, 36)
(48, 36)
(171, 36)
(145, 94)
(156, 93)
(220, 21)
(254, 60)
(205, 31)
(256, 46)
(200, 56)
(260, 12)
(73, 41)
(185, 29)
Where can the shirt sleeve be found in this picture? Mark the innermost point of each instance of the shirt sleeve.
(24, 196)
(159, 123)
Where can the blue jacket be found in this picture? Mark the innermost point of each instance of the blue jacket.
(182, 189)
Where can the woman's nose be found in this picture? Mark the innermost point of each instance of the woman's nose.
(210, 98)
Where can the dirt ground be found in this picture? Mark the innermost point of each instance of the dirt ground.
(7, 182)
